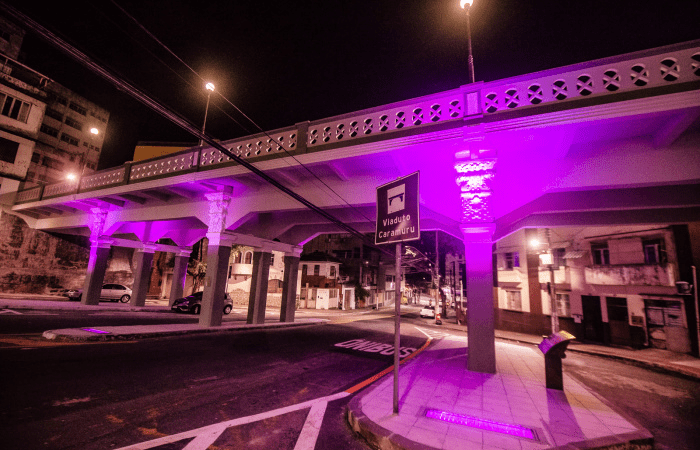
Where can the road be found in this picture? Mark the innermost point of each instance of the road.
(259, 388)
(113, 395)
(665, 404)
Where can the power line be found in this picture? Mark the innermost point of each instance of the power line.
(173, 116)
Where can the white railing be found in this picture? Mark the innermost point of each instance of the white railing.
(400, 116)
(612, 75)
(167, 165)
(281, 141)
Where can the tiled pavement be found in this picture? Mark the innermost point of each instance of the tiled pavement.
(515, 396)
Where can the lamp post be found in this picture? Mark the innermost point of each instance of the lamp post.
(210, 88)
(466, 4)
(547, 259)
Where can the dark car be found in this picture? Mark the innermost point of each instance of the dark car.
(193, 303)
(110, 291)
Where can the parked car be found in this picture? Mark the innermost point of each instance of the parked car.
(193, 303)
(428, 311)
(110, 291)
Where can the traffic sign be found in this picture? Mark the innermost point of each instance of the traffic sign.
(398, 217)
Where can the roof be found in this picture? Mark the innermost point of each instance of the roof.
(318, 257)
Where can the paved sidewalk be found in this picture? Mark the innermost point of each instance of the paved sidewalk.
(444, 406)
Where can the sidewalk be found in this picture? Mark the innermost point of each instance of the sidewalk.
(444, 406)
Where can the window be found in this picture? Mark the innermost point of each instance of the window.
(304, 270)
(54, 114)
(317, 270)
(8, 150)
(601, 254)
(51, 131)
(332, 275)
(248, 258)
(356, 253)
(563, 305)
(237, 258)
(77, 108)
(513, 300)
(70, 139)
(558, 255)
(14, 108)
(653, 251)
(512, 260)
(74, 124)
(272, 259)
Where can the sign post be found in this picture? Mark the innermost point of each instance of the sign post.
(397, 221)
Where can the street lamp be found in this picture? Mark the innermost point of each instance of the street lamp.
(210, 88)
(547, 260)
(466, 4)
(82, 162)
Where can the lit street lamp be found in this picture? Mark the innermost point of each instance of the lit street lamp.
(210, 89)
(547, 259)
(82, 162)
(466, 4)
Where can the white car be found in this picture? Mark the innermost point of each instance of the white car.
(110, 291)
(428, 311)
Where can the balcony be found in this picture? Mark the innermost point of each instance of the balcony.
(635, 275)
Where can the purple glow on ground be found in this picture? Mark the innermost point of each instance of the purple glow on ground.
(514, 430)
(95, 330)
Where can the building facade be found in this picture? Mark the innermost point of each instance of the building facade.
(612, 285)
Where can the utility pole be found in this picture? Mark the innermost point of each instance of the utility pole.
(552, 290)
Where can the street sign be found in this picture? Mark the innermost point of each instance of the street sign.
(398, 217)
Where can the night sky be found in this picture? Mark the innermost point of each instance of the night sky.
(284, 62)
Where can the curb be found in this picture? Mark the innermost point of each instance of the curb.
(87, 336)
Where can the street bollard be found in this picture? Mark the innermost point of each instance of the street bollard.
(554, 348)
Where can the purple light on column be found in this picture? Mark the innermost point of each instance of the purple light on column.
(95, 330)
(489, 425)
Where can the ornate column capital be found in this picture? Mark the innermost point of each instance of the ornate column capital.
(218, 210)
(475, 178)
(97, 220)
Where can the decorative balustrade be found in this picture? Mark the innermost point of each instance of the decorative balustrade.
(281, 141)
(58, 189)
(427, 110)
(103, 178)
(166, 166)
(613, 75)
(643, 70)
(29, 195)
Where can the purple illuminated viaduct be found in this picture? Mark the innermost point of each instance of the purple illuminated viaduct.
(607, 142)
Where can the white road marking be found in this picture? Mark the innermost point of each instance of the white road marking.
(216, 429)
(312, 426)
(9, 311)
(204, 440)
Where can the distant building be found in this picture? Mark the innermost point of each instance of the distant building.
(319, 283)
(46, 132)
(613, 285)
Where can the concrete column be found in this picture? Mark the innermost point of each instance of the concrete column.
(289, 287)
(257, 301)
(480, 319)
(99, 254)
(97, 266)
(218, 254)
(475, 167)
(177, 288)
(142, 274)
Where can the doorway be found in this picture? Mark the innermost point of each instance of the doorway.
(592, 318)
(618, 319)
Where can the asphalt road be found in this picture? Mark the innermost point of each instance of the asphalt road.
(665, 404)
(111, 395)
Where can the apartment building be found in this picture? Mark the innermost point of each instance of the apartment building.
(611, 285)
